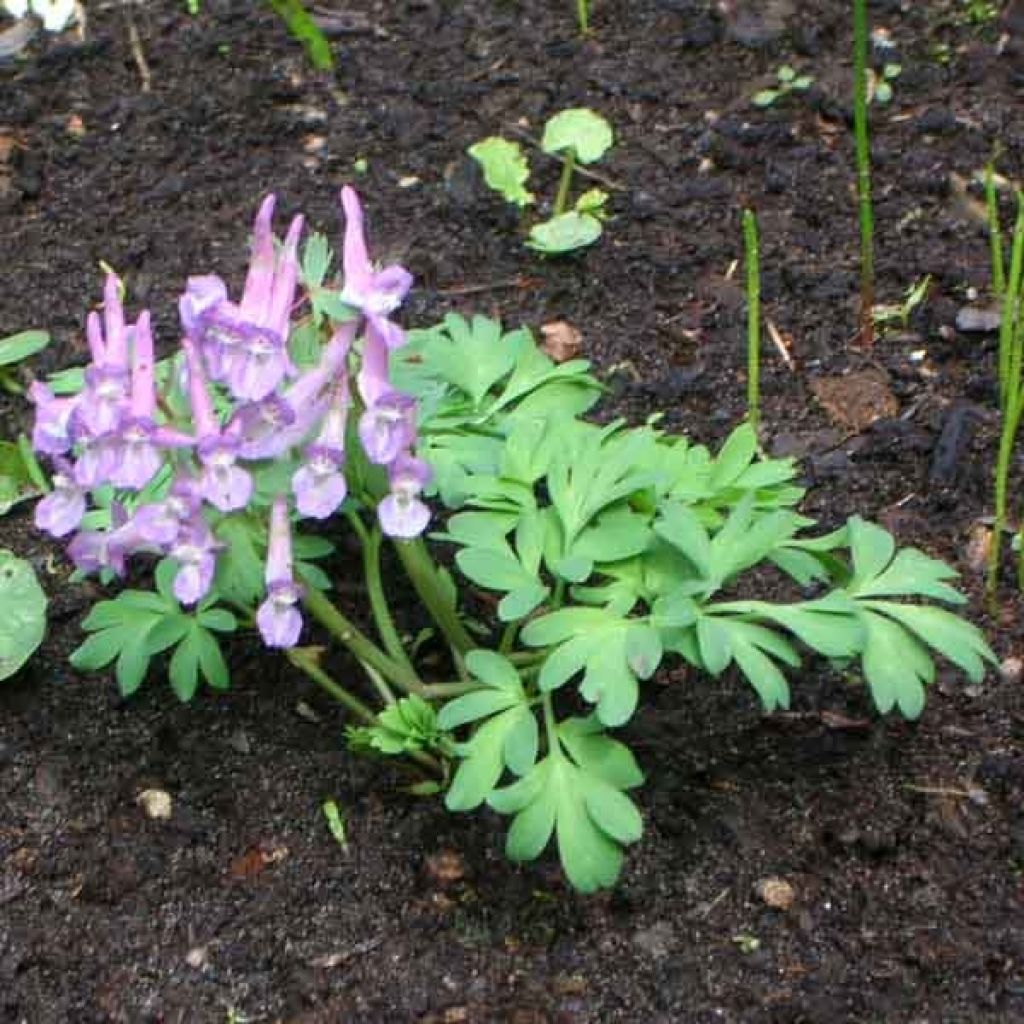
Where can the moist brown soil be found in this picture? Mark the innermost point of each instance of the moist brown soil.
(903, 843)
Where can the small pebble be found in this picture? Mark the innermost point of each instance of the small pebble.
(1012, 670)
(155, 804)
(197, 957)
(977, 320)
(776, 893)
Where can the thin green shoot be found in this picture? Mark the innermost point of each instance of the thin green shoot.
(303, 28)
(752, 261)
(1011, 395)
(899, 313)
(994, 233)
(788, 82)
(863, 146)
(583, 16)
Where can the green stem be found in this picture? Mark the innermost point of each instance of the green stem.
(1009, 326)
(35, 472)
(866, 213)
(508, 638)
(303, 659)
(995, 237)
(1011, 421)
(752, 255)
(379, 684)
(358, 642)
(583, 16)
(423, 575)
(550, 725)
(568, 166)
(372, 541)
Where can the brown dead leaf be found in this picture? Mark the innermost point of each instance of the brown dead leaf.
(855, 400)
(562, 341)
(252, 863)
(446, 867)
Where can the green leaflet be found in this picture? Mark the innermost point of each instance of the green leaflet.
(506, 738)
(16, 348)
(406, 725)
(613, 653)
(22, 613)
(575, 793)
(895, 657)
(468, 373)
(138, 624)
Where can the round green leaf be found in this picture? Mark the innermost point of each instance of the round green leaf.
(505, 168)
(22, 613)
(565, 233)
(587, 134)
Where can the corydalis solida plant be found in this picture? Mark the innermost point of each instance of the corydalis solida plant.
(604, 550)
(247, 407)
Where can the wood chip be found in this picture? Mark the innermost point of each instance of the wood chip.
(855, 400)
(562, 341)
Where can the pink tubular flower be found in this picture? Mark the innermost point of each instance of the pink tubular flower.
(267, 429)
(134, 448)
(319, 483)
(245, 345)
(106, 549)
(108, 376)
(50, 432)
(280, 622)
(401, 513)
(222, 483)
(374, 292)
(388, 426)
(195, 551)
(160, 523)
(60, 511)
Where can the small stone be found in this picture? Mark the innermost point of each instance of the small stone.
(197, 957)
(776, 893)
(978, 320)
(239, 742)
(155, 804)
(562, 341)
(978, 545)
(1011, 670)
(657, 940)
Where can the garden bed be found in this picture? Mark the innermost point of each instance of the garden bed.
(902, 844)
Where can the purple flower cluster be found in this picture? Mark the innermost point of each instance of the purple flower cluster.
(249, 405)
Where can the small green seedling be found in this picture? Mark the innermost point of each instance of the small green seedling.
(22, 613)
(21, 476)
(880, 85)
(15, 349)
(899, 313)
(577, 136)
(788, 82)
(336, 824)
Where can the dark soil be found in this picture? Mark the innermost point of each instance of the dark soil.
(903, 843)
